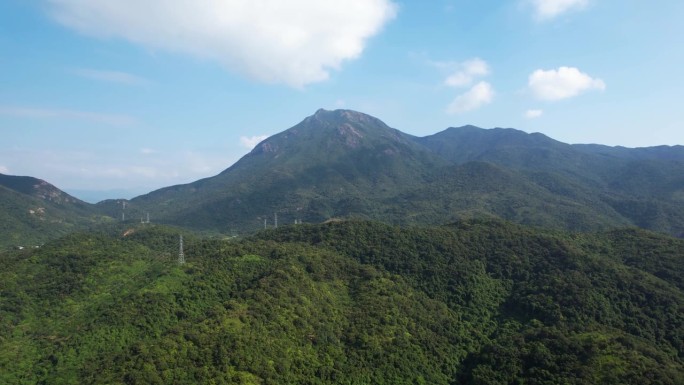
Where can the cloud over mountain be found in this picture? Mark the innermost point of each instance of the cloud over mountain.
(481, 94)
(563, 83)
(467, 72)
(533, 114)
(296, 42)
(250, 142)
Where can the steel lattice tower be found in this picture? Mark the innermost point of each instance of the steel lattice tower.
(181, 255)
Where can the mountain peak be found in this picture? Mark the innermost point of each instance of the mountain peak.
(344, 141)
(37, 188)
(329, 128)
(341, 116)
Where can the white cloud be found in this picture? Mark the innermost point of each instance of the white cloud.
(51, 113)
(90, 170)
(295, 42)
(250, 142)
(563, 83)
(4, 170)
(482, 93)
(467, 72)
(549, 9)
(112, 76)
(533, 114)
(147, 151)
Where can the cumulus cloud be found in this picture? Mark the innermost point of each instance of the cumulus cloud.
(549, 9)
(4, 170)
(467, 72)
(563, 83)
(250, 142)
(533, 114)
(112, 76)
(479, 95)
(296, 42)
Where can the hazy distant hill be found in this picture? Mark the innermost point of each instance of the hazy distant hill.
(33, 211)
(347, 164)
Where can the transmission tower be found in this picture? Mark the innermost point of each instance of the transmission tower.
(181, 255)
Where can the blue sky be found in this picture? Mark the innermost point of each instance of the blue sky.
(113, 99)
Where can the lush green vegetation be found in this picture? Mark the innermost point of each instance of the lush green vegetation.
(478, 302)
(344, 164)
(33, 212)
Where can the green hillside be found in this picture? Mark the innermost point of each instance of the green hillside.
(33, 211)
(643, 186)
(333, 164)
(480, 302)
(345, 164)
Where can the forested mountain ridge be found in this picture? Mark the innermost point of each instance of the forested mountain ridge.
(675, 153)
(408, 299)
(644, 186)
(33, 211)
(333, 164)
(479, 302)
(346, 164)
(38, 188)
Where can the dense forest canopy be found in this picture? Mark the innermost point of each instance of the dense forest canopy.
(477, 302)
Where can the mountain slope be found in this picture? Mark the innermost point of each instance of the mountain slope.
(345, 164)
(343, 303)
(518, 150)
(334, 163)
(481, 190)
(33, 211)
(672, 153)
(605, 167)
(644, 186)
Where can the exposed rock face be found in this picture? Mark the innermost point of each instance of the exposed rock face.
(48, 192)
(37, 188)
(350, 135)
